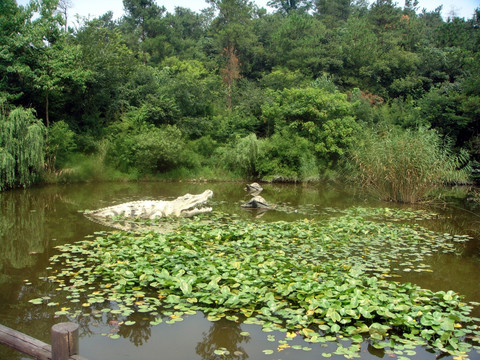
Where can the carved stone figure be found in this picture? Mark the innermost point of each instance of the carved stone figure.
(257, 202)
(254, 188)
(187, 206)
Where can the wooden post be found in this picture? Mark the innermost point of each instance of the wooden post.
(64, 341)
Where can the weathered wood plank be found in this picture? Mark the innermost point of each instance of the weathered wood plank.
(36, 348)
(25, 344)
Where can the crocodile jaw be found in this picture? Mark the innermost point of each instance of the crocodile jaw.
(190, 205)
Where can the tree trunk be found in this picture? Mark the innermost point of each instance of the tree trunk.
(47, 119)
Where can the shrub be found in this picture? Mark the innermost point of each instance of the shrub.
(324, 118)
(158, 150)
(287, 157)
(242, 156)
(233, 124)
(137, 146)
(60, 144)
(405, 165)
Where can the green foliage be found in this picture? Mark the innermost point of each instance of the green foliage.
(22, 138)
(405, 165)
(191, 85)
(233, 124)
(92, 167)
(139, 146)
(111, 63)
(307, 278)
(297, 43)
(287, 157)
(243, 156)
(291, 69)
(280, 78)
(59, 145)
(325, 82)
(158, 150)
(445, 108)
(322, 117)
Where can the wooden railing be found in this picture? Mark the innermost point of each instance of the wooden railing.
(64, 343)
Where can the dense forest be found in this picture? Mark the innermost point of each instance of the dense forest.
(316, 89)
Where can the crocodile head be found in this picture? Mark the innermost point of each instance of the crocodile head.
(190, 205)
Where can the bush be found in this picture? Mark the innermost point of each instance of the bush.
(242, 156)
(287, 157)
(158, 150)
(60, 144)
(322, 117)
(405, 165)
(136, 146)
(233, 124)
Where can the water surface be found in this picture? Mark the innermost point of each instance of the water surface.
(34, 221)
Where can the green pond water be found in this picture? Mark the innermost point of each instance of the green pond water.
(33, 222)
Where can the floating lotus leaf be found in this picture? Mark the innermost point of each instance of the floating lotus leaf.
(318, 279)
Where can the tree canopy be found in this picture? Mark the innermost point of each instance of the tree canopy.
(236, 74)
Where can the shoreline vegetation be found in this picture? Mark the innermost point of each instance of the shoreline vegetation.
(383, 95)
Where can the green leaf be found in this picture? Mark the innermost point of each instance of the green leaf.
(36, 301)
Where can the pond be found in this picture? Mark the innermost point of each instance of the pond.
(34, 222)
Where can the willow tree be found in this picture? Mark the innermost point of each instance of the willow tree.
(22, 139)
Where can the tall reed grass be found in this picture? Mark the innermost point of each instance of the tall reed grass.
(406, 165)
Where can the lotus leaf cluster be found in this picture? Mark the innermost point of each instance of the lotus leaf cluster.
(319, 279)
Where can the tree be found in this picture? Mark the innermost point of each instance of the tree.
(289, 6)
(448, 110)
(233, 34)
(232, 28)
(193, 87)
(12, 19)
(384, 14)
(56, 66)
(333, 12)
(21, 148)
(324, 118)
(59, 145)
(359, 50)
(105, 55)
(63, 6)
(184, 32)
(297, 43)
(39, 59)
(140, 15)
(230, 73)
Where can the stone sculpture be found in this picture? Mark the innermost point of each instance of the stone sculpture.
(186, 206)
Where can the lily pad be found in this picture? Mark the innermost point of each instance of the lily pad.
(323, 280)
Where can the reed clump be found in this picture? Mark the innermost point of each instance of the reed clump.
(406, 165)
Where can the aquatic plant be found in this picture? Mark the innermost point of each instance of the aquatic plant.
(318, 279)
(405, 165)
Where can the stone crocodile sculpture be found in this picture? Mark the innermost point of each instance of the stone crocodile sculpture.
(186, 206)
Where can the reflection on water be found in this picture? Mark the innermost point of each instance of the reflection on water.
(223, 334)
(33, 222)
